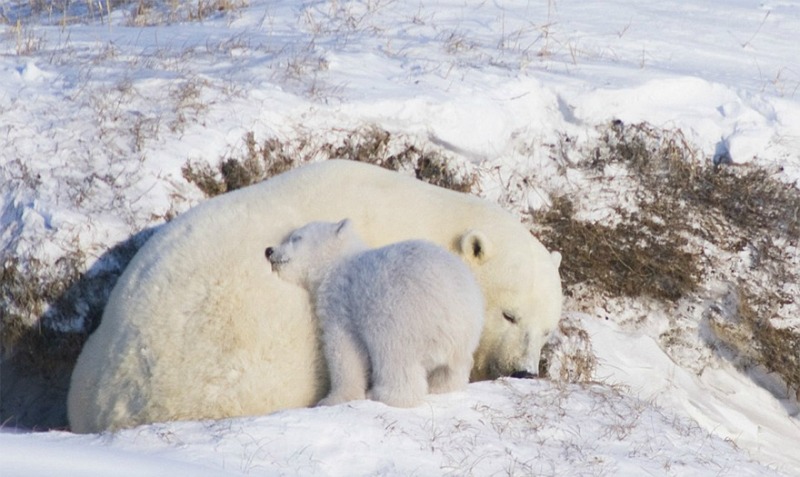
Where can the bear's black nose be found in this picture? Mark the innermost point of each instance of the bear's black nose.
(268, 252)
(523, 375)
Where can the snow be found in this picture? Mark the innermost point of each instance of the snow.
(718, 399)
(509, 427)
(98, 115)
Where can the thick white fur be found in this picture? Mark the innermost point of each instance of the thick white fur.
(198, 327)
(399, 320)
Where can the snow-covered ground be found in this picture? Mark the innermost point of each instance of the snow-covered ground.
(510, 427)
(99, 113)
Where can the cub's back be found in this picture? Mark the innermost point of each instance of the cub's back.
(399, 281)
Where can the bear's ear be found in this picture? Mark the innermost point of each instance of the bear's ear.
(556, 257)
(475, 246)
(342, 226)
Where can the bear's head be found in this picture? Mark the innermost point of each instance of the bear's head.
(522, 292)
(307, 252)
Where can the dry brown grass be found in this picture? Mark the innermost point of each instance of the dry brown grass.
(743, 328)
(47, 311)
(371, 144)
(681, 202)
(259, 162)
(27, 288)
(680, 187)
(637, 257)
(686, 206)
(568, 356)
(139, 12)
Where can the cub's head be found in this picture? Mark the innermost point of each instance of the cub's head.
(522, 292)
(307, 252)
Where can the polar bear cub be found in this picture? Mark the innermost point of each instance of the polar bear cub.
(397, 321)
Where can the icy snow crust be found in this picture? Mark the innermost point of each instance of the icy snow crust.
(98, 115)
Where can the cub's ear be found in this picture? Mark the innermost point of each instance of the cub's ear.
(345, 224)
(556, 258)
(475, 246)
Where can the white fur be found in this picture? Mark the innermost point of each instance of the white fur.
(199, 328)
(402, 320)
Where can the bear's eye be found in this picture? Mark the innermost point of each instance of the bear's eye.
(295, 238)
(510, 318)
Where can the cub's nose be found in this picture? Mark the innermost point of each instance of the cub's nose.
(523, 375)
(268, 252)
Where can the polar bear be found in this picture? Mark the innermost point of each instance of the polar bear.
(198, 328)
(399, 321)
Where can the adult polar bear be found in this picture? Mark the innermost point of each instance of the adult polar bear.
(198, 327)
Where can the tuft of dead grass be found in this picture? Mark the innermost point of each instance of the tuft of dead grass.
(46, 313)
(737, 209)
(681, 202)
(259, 162)
(636, 257)
(139, 13)
(741, 324)
(27, 288)
(674, 180)
(568, 356)
(684, 206)
(377, 146)
(207, 8)
(372, 145)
